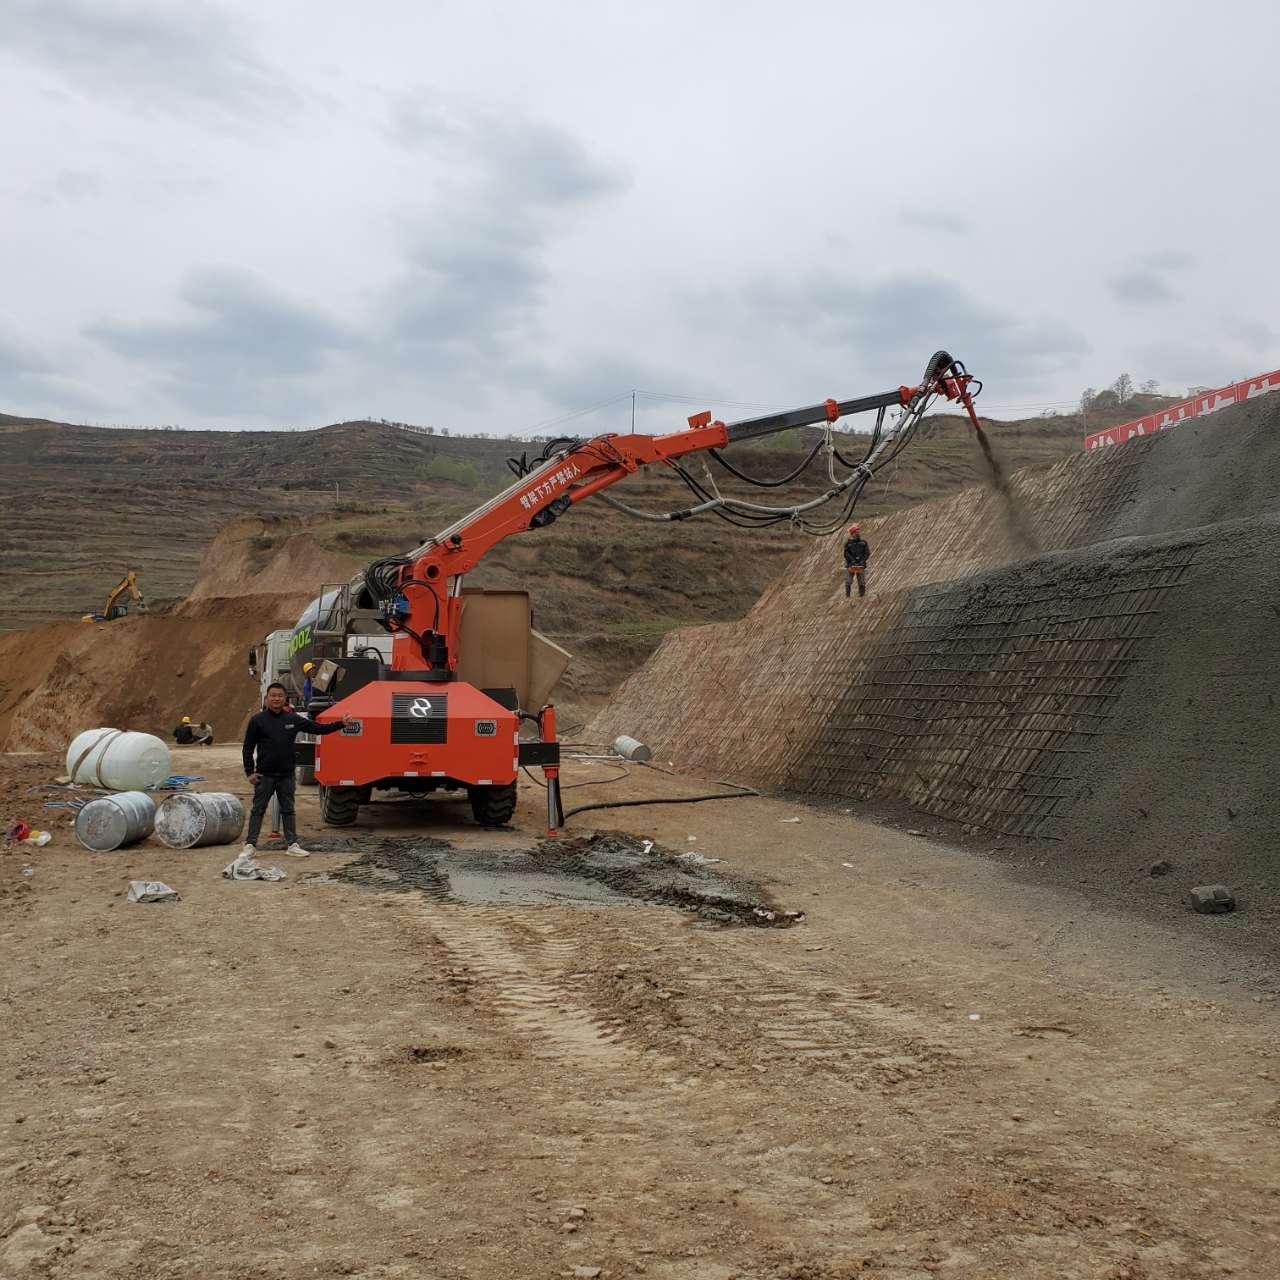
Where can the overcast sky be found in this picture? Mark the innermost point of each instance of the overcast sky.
(484, 216)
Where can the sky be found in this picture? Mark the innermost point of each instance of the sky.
(496, 216)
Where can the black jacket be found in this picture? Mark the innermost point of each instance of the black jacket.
(857, 551)
(273, 734)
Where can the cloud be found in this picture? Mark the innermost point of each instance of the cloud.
(18, 359)
(472, 285)
(464, 298)
(161, 59)
(1141, 287)
(899, 321)
(1168, 260)
(1147, 283)
(249, 348)
(512, 158)
(1255, 334)
(76, 185)
(955, 224)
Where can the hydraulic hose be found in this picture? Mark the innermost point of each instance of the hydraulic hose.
(739, 794)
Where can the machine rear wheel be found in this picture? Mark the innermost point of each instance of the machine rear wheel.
(493, 806)
(339, 805)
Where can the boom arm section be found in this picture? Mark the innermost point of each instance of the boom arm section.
(418, 593)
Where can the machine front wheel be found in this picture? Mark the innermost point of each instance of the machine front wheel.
(493, 806)
(339, 805)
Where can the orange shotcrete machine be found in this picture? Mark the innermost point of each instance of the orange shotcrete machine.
(417, 727)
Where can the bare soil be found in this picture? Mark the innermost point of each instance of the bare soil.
(941, 1071)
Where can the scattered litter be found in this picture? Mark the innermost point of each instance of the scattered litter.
(39, 838)
(245, 868)
(788, 819)
(691, 837)
(848, 864)
(694, 856)
(17, 833)
(914, 831)
(648, 844)
(175, 782)
(975, 1017)
(632, 749)
(152, 891)
(28, 871)
(1211, 899)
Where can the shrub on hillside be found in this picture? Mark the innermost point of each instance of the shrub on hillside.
(450, 471)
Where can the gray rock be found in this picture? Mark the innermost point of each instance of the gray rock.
(27, 1245)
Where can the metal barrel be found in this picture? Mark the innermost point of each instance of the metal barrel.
(115, 821)
(192, 818)
(632, 749)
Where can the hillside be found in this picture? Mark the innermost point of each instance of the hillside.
(97, 501)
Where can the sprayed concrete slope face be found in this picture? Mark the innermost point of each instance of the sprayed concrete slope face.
(1088, 657)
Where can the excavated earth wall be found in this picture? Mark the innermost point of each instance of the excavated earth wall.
(1088, 660)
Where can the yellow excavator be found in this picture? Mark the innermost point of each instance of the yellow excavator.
(114, 609)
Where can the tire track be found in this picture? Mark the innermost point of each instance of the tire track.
(521, 964)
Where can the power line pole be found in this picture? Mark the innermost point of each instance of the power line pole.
(633, 413)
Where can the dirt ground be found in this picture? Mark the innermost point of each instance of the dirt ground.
(942, 1071)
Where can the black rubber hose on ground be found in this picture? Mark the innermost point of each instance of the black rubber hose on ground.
(627, 804)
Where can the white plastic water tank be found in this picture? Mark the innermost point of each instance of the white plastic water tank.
(118, 759)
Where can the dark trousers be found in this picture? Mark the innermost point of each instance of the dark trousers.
(848, 582)
(268, 785)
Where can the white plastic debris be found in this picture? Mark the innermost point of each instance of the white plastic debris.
(847, 864)
(694, 856)
(28, 871)
(975, 1017)
(648, 844)
(152, 891)
(245, 868)
(788, 819)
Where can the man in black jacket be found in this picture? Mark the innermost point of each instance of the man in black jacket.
(856, 554)
(272, 733)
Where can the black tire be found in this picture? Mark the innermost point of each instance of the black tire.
(493, 806)
(339, 805)
(306, 775)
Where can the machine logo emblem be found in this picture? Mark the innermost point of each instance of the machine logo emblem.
(420, 708)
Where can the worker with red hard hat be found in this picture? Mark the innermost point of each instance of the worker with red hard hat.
(856, 554)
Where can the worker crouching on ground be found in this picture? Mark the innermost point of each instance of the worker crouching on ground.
(857, 552)
(188, 734)
(272, 734)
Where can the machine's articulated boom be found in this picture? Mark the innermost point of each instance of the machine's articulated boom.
(426, 607)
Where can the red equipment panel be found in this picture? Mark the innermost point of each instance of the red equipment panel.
(412, 729)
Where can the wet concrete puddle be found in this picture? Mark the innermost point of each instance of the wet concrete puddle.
(601, 871)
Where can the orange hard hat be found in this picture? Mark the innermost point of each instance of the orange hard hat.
(853, 528)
